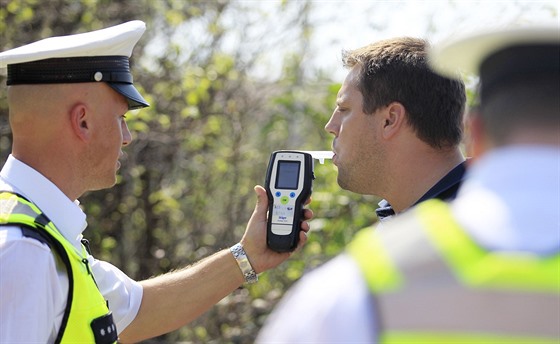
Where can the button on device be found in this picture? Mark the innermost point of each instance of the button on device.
(292, 194)
(284, 200)
(278, 194)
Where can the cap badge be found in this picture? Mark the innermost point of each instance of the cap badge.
(98, 76)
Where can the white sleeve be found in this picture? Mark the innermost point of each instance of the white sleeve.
(32, 292)
(123, 294)
(329, 305)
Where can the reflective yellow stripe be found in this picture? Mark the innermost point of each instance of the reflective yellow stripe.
(374, 262)
(15, 199)
(458, 338)
(480, 273)
(479, 268)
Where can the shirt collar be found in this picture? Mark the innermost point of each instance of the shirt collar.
(385, 210)
(509, 200)
(445, 189)
(66, 215)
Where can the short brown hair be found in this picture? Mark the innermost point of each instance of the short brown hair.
(397, 70)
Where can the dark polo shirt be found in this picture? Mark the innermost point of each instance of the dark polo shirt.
(445, 189)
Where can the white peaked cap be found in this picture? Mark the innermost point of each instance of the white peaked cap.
(465, 54)
(96, 56)
(500, 56)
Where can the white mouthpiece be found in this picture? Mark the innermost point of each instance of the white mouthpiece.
(321, 155)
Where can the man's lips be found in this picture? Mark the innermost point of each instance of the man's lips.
(121, 156)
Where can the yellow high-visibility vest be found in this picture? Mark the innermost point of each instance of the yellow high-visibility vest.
(87, 318)
(433, 284)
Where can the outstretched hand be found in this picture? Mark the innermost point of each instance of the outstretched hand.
(260, 256)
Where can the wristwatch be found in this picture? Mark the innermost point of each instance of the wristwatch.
(244, 264)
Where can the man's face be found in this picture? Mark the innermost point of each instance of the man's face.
(358, 153)
(109, 135)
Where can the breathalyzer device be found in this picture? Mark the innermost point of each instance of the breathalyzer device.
(288, 185)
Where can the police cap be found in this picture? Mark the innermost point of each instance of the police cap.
(500, 56)
(96, 56)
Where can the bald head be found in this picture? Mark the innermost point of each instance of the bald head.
(39, 105)
(47, 107)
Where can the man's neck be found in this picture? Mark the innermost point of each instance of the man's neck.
(421, 173)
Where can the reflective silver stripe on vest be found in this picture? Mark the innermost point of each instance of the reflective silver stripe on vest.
(13, 206)
(433, 300)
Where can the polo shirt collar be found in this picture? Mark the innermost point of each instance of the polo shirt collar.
(445, 189)
(66, 214)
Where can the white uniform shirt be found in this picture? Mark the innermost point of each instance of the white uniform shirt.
(33, 287)
(510, 200)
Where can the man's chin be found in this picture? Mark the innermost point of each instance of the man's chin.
(109, 183)
(342, 183)
(345, 185)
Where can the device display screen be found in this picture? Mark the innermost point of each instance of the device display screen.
(287, 175)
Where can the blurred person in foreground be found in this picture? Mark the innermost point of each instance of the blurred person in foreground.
(68, 97)
(482, 268)
(397, 126)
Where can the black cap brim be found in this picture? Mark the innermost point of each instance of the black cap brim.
(134, 98)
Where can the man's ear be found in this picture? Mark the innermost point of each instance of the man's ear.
(475, 140)
(80, 121)
(394, 117)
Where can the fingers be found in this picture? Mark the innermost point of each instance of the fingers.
(302, 237)
(308, 214)
(305, 226)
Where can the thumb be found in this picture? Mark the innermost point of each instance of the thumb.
(262, 203)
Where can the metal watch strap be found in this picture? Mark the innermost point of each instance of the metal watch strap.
(244, 264)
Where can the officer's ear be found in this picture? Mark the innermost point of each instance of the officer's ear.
(476, 140)
(394, 117)
(80, 121)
